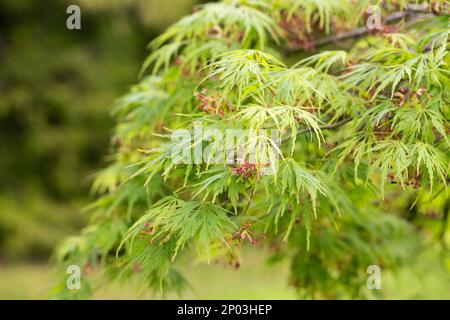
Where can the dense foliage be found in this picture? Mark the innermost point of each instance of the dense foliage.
(358, 176)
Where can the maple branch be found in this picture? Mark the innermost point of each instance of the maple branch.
(415, 12)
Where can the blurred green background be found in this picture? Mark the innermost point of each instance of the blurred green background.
(56, 86)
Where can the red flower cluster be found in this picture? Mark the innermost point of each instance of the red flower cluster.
(245, 169)
(209, 104)
(249, 234)
(147, 232)
(245, 233)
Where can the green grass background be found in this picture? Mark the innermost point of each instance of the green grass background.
(255, 279)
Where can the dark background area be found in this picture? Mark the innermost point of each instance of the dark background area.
(56, 86)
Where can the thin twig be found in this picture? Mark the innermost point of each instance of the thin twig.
(248, 205)
(324, 127)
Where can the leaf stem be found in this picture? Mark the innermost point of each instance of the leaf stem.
(252, 194)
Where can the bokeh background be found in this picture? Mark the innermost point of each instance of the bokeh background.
(56, 86)
(56, 89)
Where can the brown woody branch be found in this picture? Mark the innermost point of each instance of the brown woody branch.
(415, 12)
